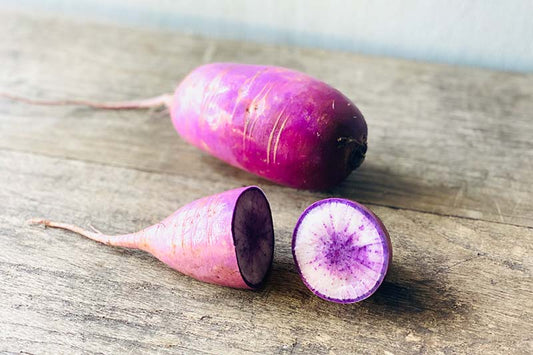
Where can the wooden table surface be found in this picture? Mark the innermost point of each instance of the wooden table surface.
(449, 170)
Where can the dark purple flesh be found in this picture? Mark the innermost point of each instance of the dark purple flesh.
(253, 236)
(341, 249)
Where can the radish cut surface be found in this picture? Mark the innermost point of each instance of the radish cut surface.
(253, 236)
(341, 249)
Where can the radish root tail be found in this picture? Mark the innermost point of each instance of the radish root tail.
(96, 235)
(125, 240)
(164, 100)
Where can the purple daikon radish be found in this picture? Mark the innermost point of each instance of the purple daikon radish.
(225, 239)
(341, 249)
(277, 123)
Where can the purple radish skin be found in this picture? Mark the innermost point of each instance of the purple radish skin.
(341, 249)
(277, 123)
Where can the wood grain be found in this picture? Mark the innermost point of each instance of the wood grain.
(449, 171)
(456, 285)
(442, 139)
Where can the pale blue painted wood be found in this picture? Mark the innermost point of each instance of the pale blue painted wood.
(487, 33)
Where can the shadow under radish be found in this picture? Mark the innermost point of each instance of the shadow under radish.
(406, 294)
(371, 183)
(380, 185)
(415, 292)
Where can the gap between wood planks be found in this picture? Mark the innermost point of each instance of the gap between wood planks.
(170, 174)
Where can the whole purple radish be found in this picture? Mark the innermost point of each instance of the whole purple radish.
(341, 249)
(225, 239)
(274, 122)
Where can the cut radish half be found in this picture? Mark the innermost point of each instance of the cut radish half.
(341, 250)
(225, 239)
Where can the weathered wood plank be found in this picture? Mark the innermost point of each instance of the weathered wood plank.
(456, 285)
(446, 140)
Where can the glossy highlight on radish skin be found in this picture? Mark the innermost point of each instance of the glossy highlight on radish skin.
(341, 249)
(225, 239)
